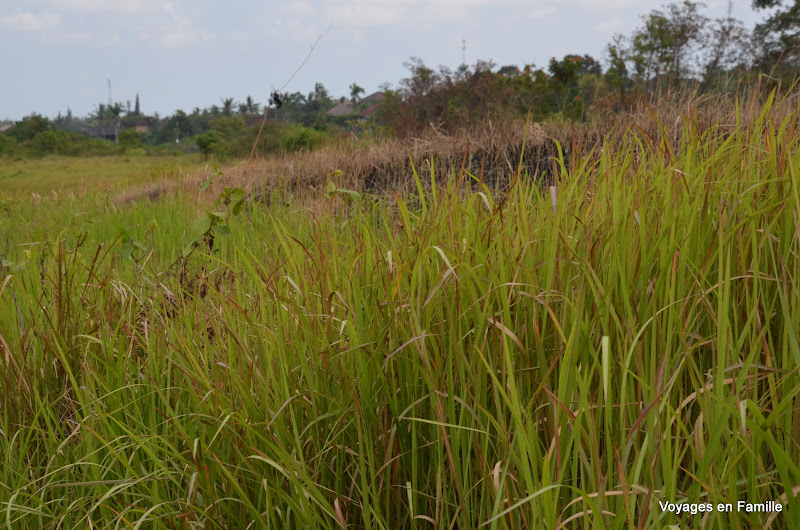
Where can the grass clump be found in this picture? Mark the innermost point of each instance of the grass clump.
(457, 358)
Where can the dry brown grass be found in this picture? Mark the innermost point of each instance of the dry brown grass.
(491, 152)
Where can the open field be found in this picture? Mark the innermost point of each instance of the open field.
(448, 356)
(42, 175)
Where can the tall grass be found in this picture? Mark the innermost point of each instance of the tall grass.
(456, 358)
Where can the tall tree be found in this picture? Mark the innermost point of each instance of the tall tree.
(687, 27)
(728, 46)
(108, 113)
(320, 94)
(422, 79)
(778, 36)
(29, 127)
(227, 106)
(318, 103)
(355, 92)
(665, 44)
(252, 106)
(294, 107)
(136, 109)
(617, 74)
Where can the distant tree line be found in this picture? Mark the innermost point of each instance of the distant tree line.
(113, 129)
(673, 50)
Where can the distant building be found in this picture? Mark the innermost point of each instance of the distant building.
(4, 128)
(375, 97)
(138, 124)
(102, 131)
(345, 108)
(374, 102)
(367, 105)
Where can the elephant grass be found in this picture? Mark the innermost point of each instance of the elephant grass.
(459, 357)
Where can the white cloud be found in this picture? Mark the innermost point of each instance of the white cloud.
(295, 29)
(93, 6)
(175, 39)
(297, 8)
(366, 14)
(73, 37)
(541, 13)
(241, 36)
(608, 5)
(30, 21)
(609, 25)
(171, 29)
(369, 13)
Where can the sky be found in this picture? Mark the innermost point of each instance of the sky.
(181, 54)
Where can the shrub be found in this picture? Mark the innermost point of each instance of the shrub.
(269, 141)
(8, 145)
(302, 139)
(212, 143)
(29, 127)
(228, 126)
(50, 142)
(82, 145)
(129, 139)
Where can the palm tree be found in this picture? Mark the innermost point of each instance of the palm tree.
(252, 106)
(227, 106)
(355, 90)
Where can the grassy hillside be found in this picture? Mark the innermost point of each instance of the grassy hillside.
(452, 356)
